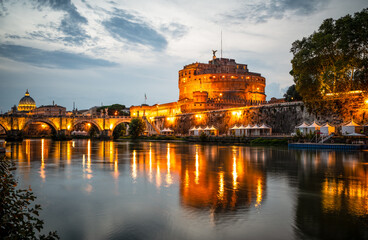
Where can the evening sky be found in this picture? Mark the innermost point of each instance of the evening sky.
(94, 52)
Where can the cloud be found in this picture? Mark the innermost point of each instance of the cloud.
(123, 25)
(51, 59)
(261, 12)
(3, 9)
(175, 30)
(71, 24)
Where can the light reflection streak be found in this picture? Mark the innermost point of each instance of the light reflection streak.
(42, 172)
(158, 176)
(197, 167)
(353, 190)
(134, 166)
(235, 174)
(89, 170)
(150, 164)
(168, 175)
(221, 186)
(116, 168)
(68, 153)
(28, 151)
(186, 179)
(259, 193)
(111, 152)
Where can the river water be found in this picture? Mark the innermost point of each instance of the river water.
(159, 190)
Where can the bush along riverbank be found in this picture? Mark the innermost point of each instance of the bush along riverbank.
(19, 215)
(214, 139)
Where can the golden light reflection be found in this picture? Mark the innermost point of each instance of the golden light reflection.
(116, 169)
(158, 175)
(111, 151)
(353, 191)
(259, 193)
(150, 164)
(88, 170)
(42, 172)
(235, 174)
(28, 151)
(186, 179)
(221, 189)
(197, 167)
(168, 175)
(68, 153)
(134, 165)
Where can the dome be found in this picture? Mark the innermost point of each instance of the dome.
(26, 103)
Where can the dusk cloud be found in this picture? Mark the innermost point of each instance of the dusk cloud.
(71, 24)
(127, 26)
(263, 11)
(51, 59)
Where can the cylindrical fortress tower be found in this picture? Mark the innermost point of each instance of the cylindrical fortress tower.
(226, 82)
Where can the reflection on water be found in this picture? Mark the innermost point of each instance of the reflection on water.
(191, 191)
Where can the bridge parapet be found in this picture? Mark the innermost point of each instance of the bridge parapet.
(62, 123)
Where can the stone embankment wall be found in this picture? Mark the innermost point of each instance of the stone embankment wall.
(282, 117)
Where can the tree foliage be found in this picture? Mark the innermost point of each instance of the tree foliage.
(292, 94)
(333, 59)
(119, 131)
(114, 110)
(137, 127)
(19, 216)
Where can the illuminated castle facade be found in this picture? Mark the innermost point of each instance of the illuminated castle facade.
(221, 83)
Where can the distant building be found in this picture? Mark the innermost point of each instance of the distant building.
(221, 83)
(26, 103)
(49, 110)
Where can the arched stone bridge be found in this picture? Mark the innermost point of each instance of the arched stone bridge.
(13, 124)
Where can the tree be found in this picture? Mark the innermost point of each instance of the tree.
(333, 59)
(292, 94)
(18, 216)
(114, 110)
(119, 131)
(137, 127)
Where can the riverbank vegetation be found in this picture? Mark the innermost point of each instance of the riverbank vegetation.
(332, 62)
(19, 215)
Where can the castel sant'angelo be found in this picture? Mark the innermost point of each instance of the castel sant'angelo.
(219, 84)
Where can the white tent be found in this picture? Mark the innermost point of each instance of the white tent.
(303, 128)
(327, 129)
(242, 130)
(248, 129)
(265, 130)
(193, 131)
(351, 127)
(256, 130)
(313, 127)
(235, 130)
(167, 131)
(210, 130)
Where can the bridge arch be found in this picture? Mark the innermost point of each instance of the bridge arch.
(54, 128)
(88, 121)
(2, 126)
(123, 121)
